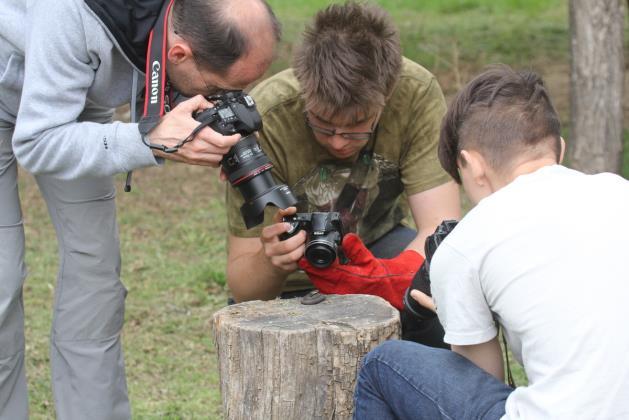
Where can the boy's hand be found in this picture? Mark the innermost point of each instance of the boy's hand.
(424, 300)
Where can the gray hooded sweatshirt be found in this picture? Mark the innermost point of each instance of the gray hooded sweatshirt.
(61, 76)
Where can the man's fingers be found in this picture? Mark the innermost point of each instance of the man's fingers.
(424, 300)
(218, 141)
(269, 233)
(280, 213)
(196, 103)
(290, 259)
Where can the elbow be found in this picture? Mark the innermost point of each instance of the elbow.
(245, 287)
(30, 154)
(25, 156)
(235, 284)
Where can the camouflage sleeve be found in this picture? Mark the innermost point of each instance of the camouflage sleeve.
(419, 166)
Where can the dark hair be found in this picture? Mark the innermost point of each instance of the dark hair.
(501, 114)
(349, 60)
(215, 37)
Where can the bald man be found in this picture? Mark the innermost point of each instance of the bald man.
(64, 67)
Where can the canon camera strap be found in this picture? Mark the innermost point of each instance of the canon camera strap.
(155, 80)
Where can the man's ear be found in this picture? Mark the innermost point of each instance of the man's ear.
(563, 149)
(477, 166)
(179, 52)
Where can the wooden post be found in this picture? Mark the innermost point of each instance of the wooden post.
(598, 71)
(284, 360)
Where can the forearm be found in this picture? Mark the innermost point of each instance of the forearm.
(251, 276)
(81, 149)
(430, 208)
(487, 356)
(417, 244)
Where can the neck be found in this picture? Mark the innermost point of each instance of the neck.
(524, 168)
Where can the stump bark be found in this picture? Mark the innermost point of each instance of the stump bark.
(284, 360)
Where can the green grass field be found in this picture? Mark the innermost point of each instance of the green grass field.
(172, 224)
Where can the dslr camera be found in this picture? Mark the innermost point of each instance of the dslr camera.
(324, 236)
(421, 281)
(246, 165)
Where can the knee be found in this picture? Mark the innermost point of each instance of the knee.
(384, 351)
(395, 351)
(387, 353)
(401, 355)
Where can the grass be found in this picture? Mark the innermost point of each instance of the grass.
(173, 223)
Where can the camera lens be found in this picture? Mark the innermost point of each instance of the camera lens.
(247, 168)
(245, 164)
(321, 253)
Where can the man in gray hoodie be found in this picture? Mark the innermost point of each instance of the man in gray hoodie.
(64, 66)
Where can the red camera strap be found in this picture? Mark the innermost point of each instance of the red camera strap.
(155, 85)
(155, 91)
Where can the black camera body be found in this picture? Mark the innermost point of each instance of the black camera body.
(245, 164)
(421, 281)
(324, 236)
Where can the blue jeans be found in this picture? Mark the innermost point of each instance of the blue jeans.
(406, 380)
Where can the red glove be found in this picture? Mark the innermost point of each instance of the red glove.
(366, 274)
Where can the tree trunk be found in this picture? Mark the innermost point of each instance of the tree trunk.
(595, 143)
(285, 360)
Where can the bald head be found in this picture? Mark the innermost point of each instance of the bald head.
(222, 32)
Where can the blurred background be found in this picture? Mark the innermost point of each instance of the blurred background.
(172, 225)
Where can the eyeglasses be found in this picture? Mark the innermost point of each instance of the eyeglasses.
(346, 135)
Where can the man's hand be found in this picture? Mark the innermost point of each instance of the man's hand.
(206, 149)
(366, 274)
(283, 254)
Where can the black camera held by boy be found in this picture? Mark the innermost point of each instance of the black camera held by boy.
(324, 236)
(421, 281)
(246, 165)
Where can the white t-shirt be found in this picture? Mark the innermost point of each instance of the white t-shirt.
(548, 256)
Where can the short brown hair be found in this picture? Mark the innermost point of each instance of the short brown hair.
(502, 114)
(349, 60)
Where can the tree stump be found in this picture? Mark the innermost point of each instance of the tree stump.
(285, 360)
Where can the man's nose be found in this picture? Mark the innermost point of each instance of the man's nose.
(337, 142)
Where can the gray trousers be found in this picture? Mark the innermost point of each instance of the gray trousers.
(87, 365)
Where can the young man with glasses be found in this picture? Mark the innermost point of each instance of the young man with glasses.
(350, 100)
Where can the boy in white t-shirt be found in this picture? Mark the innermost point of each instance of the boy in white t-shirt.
(543, 254)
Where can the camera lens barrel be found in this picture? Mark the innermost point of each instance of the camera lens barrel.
(245, 164)
(321, 253)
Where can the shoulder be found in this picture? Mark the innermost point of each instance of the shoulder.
(277, 93)
(415, 80)
(60, 12)
(417, 90)
(67, 22)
